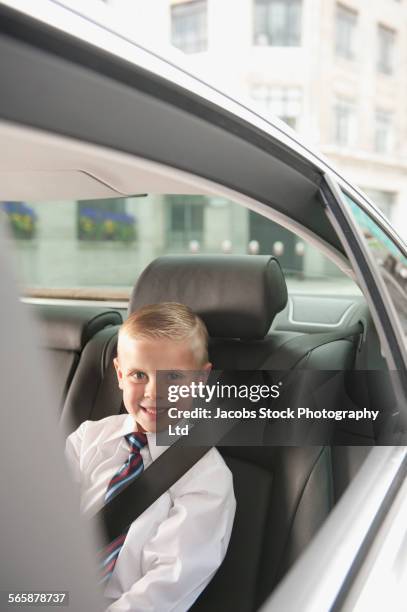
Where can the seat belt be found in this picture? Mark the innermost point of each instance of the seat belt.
(168, 468)
(165, 471)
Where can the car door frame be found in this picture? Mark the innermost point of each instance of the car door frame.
(369, 277)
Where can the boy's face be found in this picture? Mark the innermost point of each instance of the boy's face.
(136, 366)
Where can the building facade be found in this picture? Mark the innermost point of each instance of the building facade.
(334, 71)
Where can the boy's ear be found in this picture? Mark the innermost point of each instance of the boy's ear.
(204, 371)
(119, 372)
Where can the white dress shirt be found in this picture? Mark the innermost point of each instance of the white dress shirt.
(173, 549)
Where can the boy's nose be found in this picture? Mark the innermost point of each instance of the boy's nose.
(150, 388)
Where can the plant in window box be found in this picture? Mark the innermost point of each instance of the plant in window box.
(103, 225)
(22, 220)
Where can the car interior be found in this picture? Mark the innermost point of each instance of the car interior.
(294, 488)
(283, 493)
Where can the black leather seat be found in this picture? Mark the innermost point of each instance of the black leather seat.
(64, 333)
(283, 493)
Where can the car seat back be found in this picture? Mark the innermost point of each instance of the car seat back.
(65, 333)
(283, 493)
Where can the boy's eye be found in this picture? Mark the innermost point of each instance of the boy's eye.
(175, 375)
(139, 376)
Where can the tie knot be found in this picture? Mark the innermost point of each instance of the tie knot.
(136, 440)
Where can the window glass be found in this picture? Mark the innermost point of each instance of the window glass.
(185, 222)
(55, 251)
(101, 220)
(383, 131)
(345, 32)
(386, 43)
(277, 22)
(345, 124)
(391, 262)
(283, 102)
(189, 26)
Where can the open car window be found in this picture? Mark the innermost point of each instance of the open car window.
(97, 248)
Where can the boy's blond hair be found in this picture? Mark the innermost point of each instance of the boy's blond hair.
(169, 320)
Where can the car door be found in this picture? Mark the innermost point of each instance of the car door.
(357, 560)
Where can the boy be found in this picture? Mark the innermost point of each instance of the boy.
(173, 549)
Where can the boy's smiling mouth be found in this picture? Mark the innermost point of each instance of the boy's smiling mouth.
(154, 410)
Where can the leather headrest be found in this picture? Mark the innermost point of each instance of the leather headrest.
(237, 296)
(70, 331)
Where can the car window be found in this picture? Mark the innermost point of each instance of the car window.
(91, 246)
(391, 262)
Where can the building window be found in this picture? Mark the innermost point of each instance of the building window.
(277, 22)
(346, 20)
(189, 26)
(104, 220)
(383, 131)
(186, 219)
(22, 220)
(386, 44)
(345, 122)
(284, 102)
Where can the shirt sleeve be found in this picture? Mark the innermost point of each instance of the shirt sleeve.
(188, 546)
(73, 448)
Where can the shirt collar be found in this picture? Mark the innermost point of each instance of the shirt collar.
(126, 425)
(155, 451)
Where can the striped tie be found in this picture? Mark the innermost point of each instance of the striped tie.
(131, 470)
